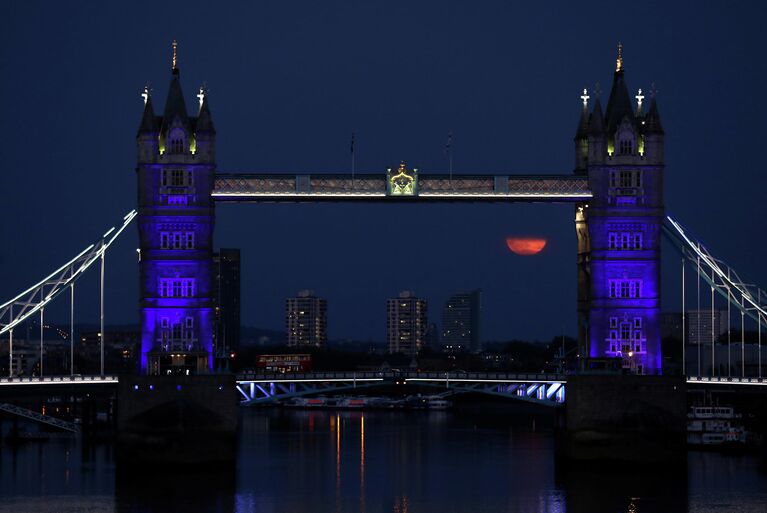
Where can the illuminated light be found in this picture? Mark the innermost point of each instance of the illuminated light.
(317, 380)
(174, 44)
(639, 98)
(500, 195)
(525, 246)
(135, 387)
(585, 97)
(178, 387)
(619, 60)
(402, 183)
(193, 145)
(151, 387)
(145, 94)
(201, 95)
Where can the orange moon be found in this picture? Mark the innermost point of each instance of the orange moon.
(525, 246)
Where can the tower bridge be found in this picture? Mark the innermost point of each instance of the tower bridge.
(615, 187)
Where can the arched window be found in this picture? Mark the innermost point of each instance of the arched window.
(625, 137)
(177, 139)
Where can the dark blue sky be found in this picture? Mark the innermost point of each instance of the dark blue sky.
(288, 83)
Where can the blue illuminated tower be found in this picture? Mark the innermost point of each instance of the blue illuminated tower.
(176, 166)
(621, 152)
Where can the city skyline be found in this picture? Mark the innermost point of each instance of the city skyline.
(482, 139)
(383, 256)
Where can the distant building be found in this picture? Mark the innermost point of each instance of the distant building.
(461, 322)
(25, 362)
(226, 298)
(432, 337)
(406, 323)
(120, 346)
(699, 325)
(306, 320)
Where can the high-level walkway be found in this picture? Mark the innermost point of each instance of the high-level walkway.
(250, 187)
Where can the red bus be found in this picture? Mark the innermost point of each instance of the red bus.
(283, 363)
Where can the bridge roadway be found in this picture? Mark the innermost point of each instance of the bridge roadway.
(251, 187)
(256, 388)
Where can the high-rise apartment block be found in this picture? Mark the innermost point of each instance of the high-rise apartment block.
(406, 323)
(226, 297)
(460, 322)
(306, 320)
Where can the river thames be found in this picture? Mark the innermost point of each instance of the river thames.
(376, 461)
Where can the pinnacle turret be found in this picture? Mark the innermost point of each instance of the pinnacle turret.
(175, 107)
(148, 119)
(619, 104)
(652, 124)
(583, 123)
(596, 120)
(204, 119)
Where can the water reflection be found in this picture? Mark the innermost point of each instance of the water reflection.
(623, 488)
(175, 489)
(397, 462)
(375, 462)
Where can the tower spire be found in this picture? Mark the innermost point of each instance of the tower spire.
(174, 68)
(619, 60)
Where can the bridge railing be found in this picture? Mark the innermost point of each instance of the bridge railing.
(393, 375)
(63, 380)
(249, 186)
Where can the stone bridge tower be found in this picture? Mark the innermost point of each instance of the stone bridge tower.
(619, 230)
(175, 171)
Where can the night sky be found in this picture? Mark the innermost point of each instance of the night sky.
(289, 82)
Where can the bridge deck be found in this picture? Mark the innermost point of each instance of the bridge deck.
(371, 187)
(59, 380)
(496, 377)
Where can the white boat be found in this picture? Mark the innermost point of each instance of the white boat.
(714, 426)
(427, 402)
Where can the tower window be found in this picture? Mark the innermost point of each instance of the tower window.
(176, 240)
(625, 332)
(624, 241)
(625, 289)
(177, 287)
(626, 147)
(176, 178)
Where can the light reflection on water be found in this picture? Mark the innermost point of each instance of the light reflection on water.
(374, 462)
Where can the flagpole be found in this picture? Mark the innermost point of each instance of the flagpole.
(352, 150)
(449, 150)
